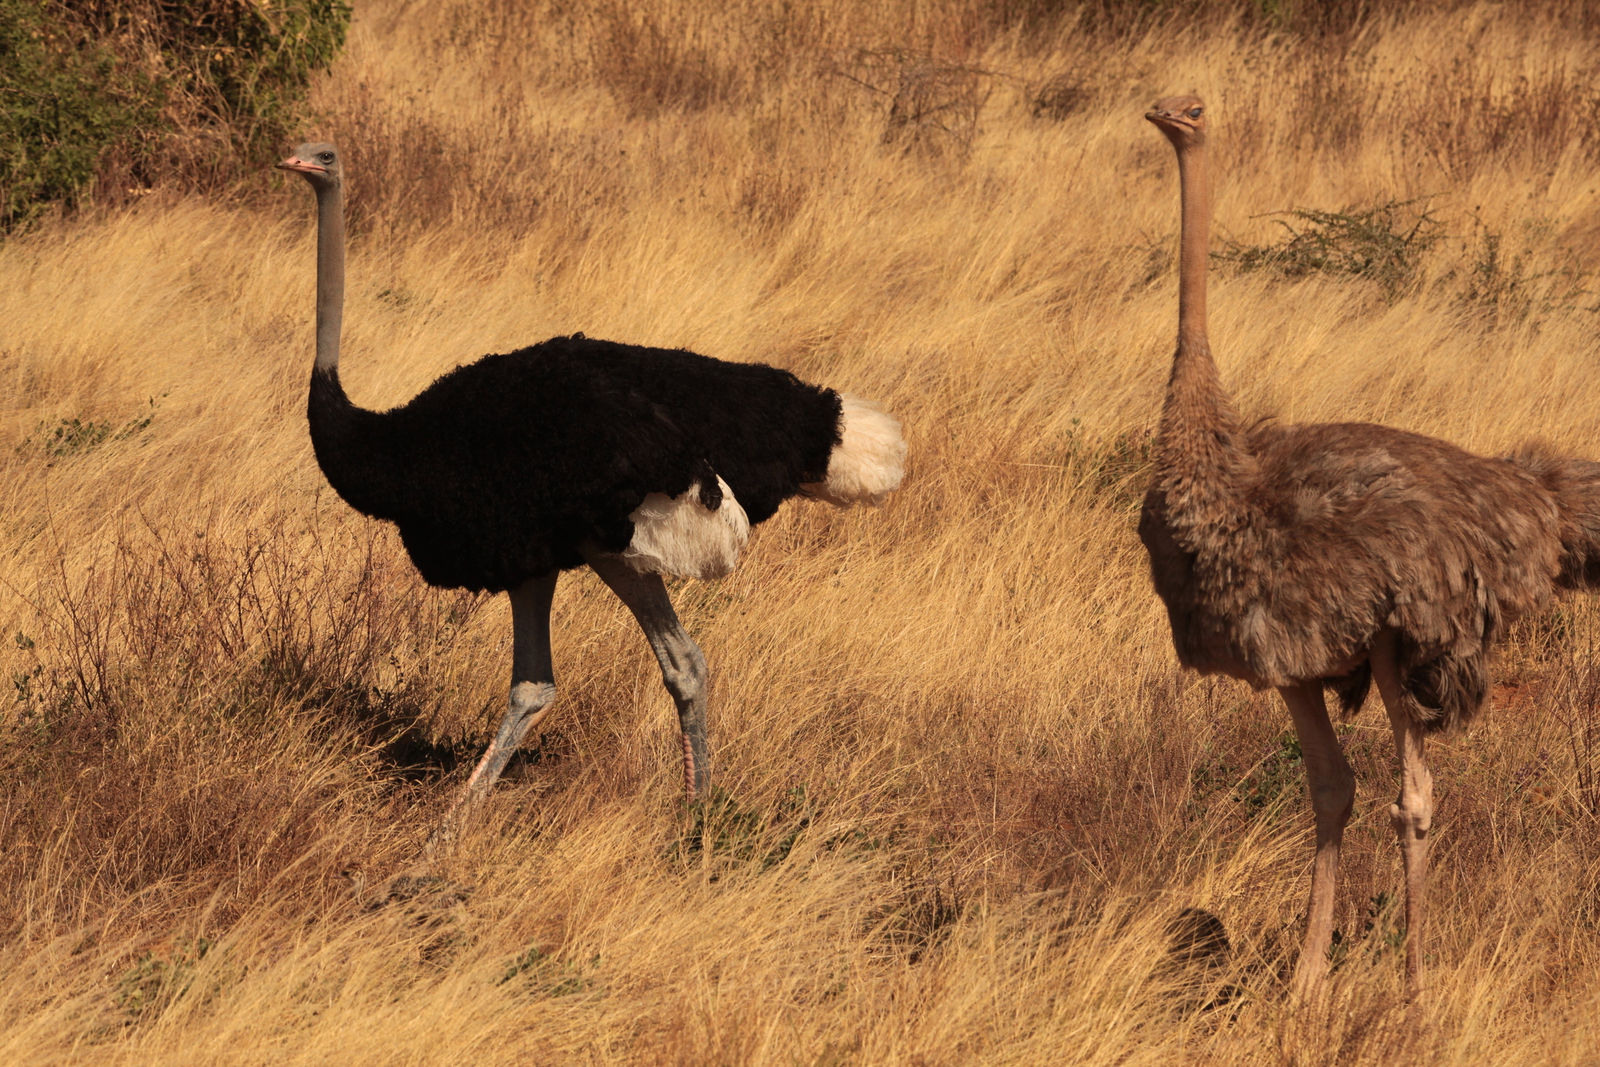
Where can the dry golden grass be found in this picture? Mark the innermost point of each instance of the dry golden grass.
(967, 791)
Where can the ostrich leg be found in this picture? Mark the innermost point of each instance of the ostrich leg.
(1333, 790)
(1412, 813)
(683, 666)
(533, 687)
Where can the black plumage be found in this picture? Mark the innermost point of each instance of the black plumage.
(500, 469)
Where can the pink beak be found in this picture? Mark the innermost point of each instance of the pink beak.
(295, 163)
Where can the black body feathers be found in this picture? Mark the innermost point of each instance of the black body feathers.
(500, 469)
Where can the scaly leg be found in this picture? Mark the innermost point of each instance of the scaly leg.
(683, 667)
(1412, 813)
(1333, 790)
(533, 687)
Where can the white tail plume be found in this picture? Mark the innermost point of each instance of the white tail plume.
(870, 460)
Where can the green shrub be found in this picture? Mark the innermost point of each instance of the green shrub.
(137, 92)
(62, 105)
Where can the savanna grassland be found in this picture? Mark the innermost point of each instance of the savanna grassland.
(966, 795)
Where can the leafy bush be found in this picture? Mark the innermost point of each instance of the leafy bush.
(63, 103)
(139, 91)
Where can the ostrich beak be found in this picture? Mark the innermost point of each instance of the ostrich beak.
(295, 163)
(1170, 120)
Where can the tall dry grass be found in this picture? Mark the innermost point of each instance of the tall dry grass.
(972, 811)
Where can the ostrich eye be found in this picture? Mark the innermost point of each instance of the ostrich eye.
(1194, 112)
(325, 157)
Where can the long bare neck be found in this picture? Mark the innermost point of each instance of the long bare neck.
(1194, 181)
(1200, 455)
(330, 274)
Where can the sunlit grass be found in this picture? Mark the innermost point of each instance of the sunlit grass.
(968, 790)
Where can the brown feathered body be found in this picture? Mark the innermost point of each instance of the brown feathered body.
(1334, 532)
(1282, 551)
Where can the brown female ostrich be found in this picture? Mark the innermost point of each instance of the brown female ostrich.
(1329, 556)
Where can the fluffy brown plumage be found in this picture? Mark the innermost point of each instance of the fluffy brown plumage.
(1330, 533)
(1304, 557)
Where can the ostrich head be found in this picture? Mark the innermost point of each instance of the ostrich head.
(317, 163)
(1182, 119)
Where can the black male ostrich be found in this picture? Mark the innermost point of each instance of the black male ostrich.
(636, 461)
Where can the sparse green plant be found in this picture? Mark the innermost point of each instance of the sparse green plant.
(1210, 776)
(1276, 775)
(64, 102)
(1381, 927)
(1384, 243)
(76, 437)
(1501, 285)
(160, 976)
(720, 828)
(1114, 470)
(549, 976)
(1382, 937)
(22, 682)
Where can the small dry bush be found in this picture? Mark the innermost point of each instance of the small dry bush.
(218, 698)
(967, 808)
